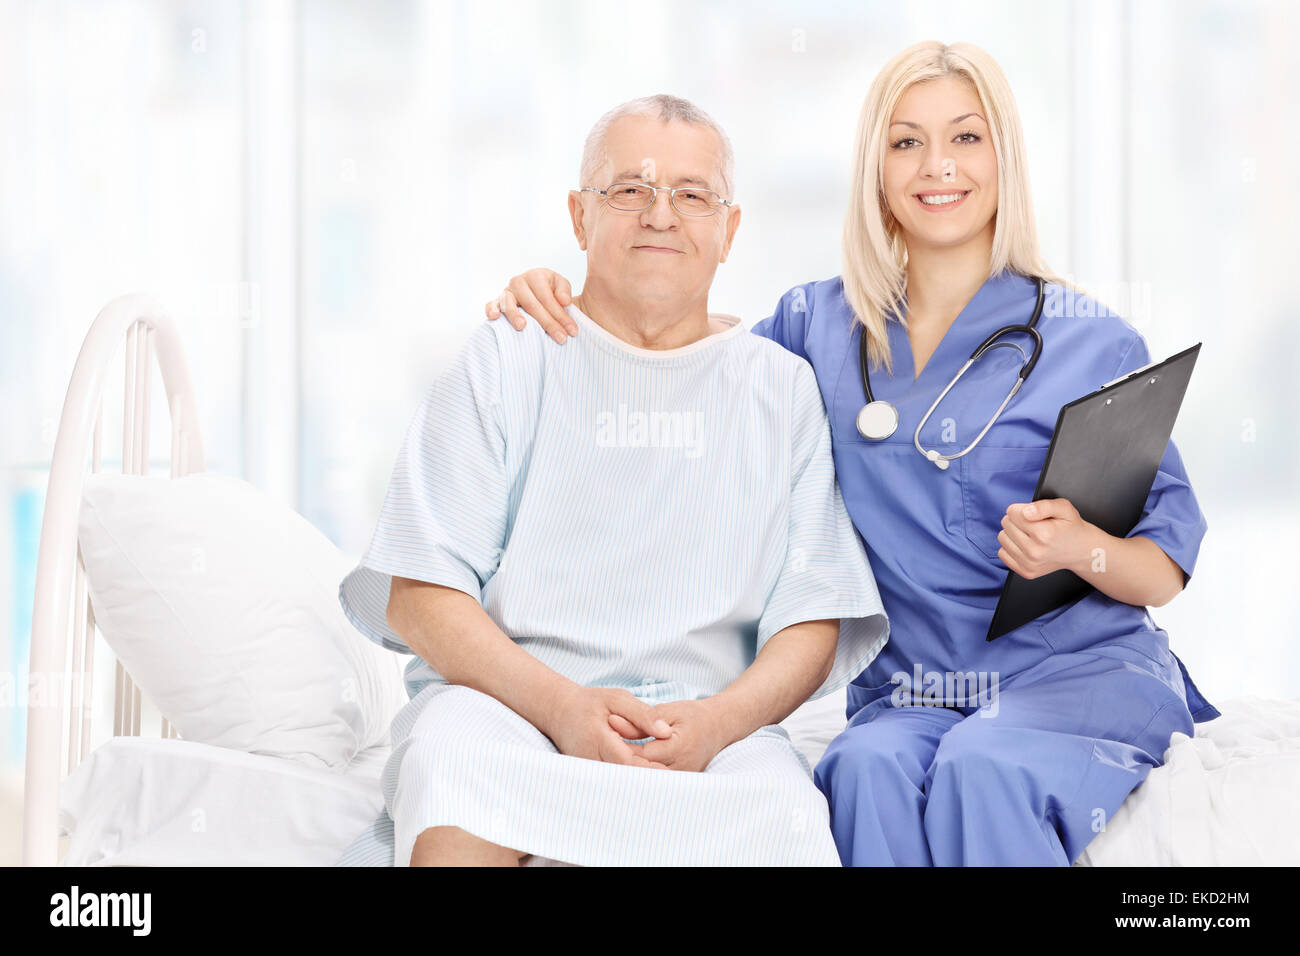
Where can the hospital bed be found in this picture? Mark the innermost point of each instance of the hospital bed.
(272, 713)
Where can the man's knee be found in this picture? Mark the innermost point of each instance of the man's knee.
(452, 846)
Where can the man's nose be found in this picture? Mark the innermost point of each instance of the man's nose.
(661, 214)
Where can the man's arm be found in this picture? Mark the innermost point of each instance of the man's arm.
(449, 629)
(792, 664)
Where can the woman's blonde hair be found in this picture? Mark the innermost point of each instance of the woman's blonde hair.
(875, 257)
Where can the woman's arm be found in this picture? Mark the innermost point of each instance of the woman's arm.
(1050, 535)
(1133, 570)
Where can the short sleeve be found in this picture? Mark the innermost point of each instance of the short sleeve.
(444, 517)
(1171, 517)
(826, 573)
(788, 325)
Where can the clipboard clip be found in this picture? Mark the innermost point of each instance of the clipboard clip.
(1127, 375)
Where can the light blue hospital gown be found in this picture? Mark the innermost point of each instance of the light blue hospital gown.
(633, 518)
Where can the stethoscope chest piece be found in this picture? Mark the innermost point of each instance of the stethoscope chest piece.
(877, 420)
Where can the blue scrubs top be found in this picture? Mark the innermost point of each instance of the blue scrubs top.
(931, 535)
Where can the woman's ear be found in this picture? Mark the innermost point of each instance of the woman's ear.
(576, 213)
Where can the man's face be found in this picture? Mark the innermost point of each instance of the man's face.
(657, 254)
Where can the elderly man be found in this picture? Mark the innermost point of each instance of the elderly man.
(619, 563)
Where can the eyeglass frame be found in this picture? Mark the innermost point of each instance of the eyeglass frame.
(672, 197)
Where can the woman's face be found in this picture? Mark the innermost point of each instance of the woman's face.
(941, 174)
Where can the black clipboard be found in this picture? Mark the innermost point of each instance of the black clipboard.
(1104, 455)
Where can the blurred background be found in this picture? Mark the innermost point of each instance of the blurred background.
(324, 193)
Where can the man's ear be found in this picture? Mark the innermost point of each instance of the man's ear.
(733, 223)
(576, 213)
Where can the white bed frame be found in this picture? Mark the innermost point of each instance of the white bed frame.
(63, 625)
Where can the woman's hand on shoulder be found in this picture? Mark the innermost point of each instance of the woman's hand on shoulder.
(543, 294)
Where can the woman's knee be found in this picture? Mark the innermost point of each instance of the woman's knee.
(872, 753)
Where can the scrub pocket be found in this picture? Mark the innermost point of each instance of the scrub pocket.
(1097, 624)
(860, 699)
(991, 479)
(1078, 625)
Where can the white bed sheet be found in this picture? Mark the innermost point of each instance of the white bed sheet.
(1228, 796)
(140, 801)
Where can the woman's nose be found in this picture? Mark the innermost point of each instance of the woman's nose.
(933, 163)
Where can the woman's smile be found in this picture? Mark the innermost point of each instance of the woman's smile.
(942, 201)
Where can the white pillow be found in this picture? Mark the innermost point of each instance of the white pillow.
(223, 606)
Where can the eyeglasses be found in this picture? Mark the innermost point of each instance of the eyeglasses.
(687, 200)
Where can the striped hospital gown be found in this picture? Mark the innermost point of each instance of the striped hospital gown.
(633, 518)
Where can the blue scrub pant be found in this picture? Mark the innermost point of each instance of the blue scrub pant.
(1029, 781)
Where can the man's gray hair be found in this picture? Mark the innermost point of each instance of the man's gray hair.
(665, 108)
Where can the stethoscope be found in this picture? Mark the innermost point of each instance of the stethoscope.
(878, 419)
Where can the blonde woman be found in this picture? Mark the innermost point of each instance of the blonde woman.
(960, 750)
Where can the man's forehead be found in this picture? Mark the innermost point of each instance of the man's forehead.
(654, 151)
(651, 172)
